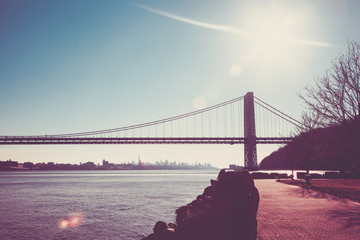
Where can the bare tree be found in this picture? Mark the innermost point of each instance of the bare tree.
(309, 121)
(335, 97)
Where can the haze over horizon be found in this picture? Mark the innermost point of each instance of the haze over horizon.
(77, 66)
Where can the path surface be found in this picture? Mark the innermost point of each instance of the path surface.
(290, 212)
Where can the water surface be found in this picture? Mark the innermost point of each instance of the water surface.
(110, 204)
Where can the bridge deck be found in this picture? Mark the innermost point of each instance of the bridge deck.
(9, 140)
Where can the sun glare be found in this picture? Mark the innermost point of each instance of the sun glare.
(273, 36)
(274, 32)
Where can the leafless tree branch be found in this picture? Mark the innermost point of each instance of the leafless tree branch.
(335, 97)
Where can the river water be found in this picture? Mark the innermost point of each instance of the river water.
(93, 204)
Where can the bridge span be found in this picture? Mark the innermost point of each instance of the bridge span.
(244, 120)
(35, 140)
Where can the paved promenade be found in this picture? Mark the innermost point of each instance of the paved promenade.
(290, 212)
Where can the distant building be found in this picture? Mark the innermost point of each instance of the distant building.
(235, 167)
(9, 163)
(105, 163)
(29, 165)
(88, 165)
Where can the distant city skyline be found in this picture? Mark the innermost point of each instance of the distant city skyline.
(76, 66)
(10, 165)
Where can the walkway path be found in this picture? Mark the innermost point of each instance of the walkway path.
(290, 212)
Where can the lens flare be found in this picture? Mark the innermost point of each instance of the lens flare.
(199, 103)
(63, 224)
(74, 220)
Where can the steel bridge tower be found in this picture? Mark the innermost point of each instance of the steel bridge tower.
(250, 154)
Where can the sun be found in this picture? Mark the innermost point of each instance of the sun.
(273, 31)
(274, 36)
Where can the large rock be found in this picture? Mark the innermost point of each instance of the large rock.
(162, 231)
(226, 210)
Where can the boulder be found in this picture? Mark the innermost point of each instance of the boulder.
(162, 231)
(226, 210)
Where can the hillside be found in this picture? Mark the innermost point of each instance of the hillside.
(333, 148)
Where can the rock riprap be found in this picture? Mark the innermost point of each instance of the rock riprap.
(226, 210)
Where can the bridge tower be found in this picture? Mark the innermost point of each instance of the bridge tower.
(250, 154)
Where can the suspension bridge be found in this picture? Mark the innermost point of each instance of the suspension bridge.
(244, 120)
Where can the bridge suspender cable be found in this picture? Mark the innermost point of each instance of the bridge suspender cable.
(226, 121)
(153, 122)
(225, 118)
(279, 113)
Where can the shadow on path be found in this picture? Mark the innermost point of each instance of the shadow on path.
(312, 193)
(351, 216)
(291, 212)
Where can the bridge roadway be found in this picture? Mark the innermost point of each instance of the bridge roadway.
(31, 140)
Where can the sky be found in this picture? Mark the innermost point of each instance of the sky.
(75, 66)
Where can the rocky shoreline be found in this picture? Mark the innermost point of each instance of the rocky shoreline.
(226, 210)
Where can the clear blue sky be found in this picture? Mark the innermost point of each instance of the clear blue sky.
(73, 66)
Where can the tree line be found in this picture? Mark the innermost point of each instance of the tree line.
(330, 135)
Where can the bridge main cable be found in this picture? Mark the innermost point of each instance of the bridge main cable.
(69, 135)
